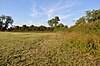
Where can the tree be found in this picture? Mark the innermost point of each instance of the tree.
(42, 28)
(50, 23)
(0, 24)
(32, 26)
(5, 21)
(88, 23)
(24, 28)
(16, 28)
(54, 21)
(60, 25)
(92, 16)
(10, 29)
(66, 26)
(81, 21)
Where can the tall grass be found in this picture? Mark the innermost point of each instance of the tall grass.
(49, 49)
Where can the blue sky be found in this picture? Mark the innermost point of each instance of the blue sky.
(37, 12)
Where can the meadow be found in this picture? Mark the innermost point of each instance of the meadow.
(49, 49)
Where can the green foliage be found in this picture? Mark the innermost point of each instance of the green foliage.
(81, 21)
(54, 21)
(24, 28)
(31, 28)
(61, 28)
(60, 25)
(55, 26)
(86, 28)
(92, 16)
(0, 25)
(89, 23)
(5, 21)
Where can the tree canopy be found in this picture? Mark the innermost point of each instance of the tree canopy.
(88, 23)
(54, 21)
(5, 21)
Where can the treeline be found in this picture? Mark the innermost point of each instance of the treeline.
(54, 24)
(33, 28)
(88, 23)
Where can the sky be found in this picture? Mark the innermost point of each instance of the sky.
(38, 12)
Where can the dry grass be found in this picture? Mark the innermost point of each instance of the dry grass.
(49, 49)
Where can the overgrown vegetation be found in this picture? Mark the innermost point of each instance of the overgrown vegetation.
(78, 45)
(61, 49)
(89, 23)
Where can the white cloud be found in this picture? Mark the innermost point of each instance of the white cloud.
(65, 16)
(34, 12)
(55, 8)
(50, 12)
(60, 8)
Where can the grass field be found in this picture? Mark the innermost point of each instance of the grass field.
(49, 49)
